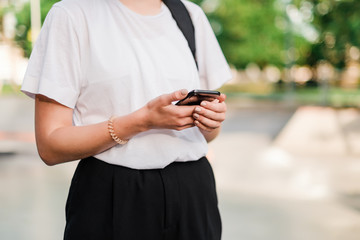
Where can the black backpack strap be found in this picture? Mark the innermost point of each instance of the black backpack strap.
(183, 20)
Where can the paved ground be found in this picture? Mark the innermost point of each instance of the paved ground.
(282, 174)
(298, 178)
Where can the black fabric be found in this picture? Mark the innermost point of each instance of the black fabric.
(108, 202)
(183, 20)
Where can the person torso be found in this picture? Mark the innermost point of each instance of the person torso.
(128, 59)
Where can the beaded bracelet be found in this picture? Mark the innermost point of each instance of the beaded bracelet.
(112, 132)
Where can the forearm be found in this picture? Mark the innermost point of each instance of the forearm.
(70, 143)
(211, 135)
(73, 142)
(59, 141)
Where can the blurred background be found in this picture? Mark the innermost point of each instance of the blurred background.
(287, 163)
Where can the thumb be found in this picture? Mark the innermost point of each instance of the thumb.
(175, 96)
(222, 97)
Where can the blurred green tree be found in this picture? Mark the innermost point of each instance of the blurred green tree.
(257, 31)
(338, 25)
(23, 27)
(2, 12)
(246, 29)
(254, 31)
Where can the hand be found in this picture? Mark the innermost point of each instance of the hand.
(163, 114)
(209, 115)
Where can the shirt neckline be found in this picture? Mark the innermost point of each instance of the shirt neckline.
(123, 6)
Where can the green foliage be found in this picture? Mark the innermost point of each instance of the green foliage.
(249, 33)
(338, 22)
(335, 97)
(10, 89)
(248, 30)
(245, 29)
(23, 36)
(3, 11)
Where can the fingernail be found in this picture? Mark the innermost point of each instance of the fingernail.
(216, 101)
(184, 91)
(197, 109)
(203, 103)
(196, 116)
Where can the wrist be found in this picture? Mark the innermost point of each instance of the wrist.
(113, 134)
(210, 135)
(143, 119)
(127, 126)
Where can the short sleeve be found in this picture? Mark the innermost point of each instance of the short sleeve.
(54, 68)
(214, 70)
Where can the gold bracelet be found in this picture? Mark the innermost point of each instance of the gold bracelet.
(112, 132)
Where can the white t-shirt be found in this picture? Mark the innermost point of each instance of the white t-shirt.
(102, 59)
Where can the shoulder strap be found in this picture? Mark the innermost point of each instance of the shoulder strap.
(183, 20)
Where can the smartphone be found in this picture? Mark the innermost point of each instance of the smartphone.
(195, 97)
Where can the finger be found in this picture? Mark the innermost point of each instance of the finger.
(210, 123)
(185, 126)
(181, 111)
(174, 96)
(201, 113)
(222, 97)
(214, 106)
(215, 101)
(203, 126)
(182, 122)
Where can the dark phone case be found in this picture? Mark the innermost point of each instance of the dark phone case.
(195, 97)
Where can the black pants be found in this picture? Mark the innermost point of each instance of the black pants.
(107, 202)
